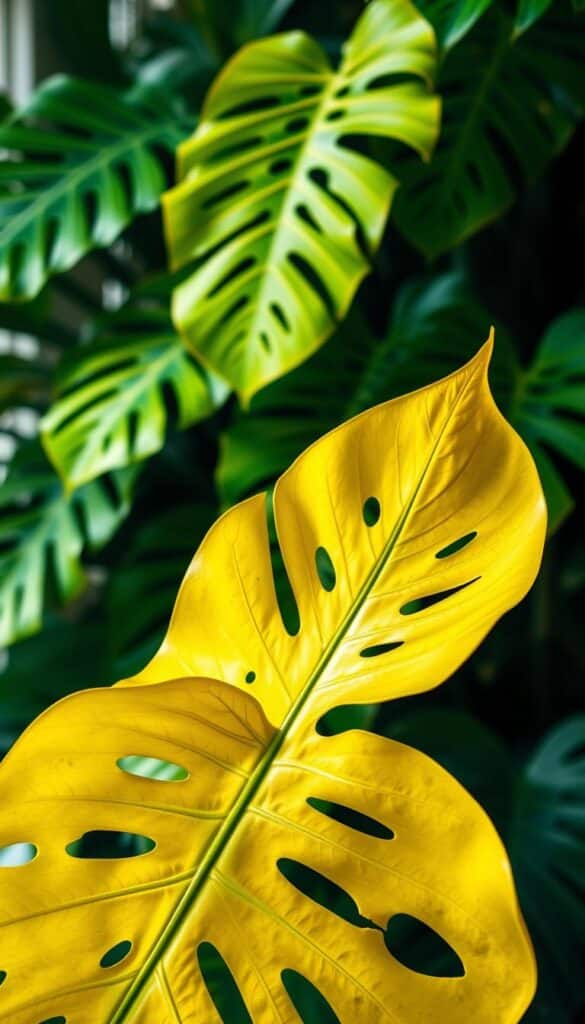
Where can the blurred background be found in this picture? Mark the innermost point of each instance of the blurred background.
(90, 561)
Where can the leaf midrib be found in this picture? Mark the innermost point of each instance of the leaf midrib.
(72, 176)
(248, 792)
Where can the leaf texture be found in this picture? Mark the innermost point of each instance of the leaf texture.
(279, 212)
(81, 161)
(112, 409)
(391, 600)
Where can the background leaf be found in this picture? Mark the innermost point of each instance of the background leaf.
(84, 159)
(502, 124)
(278, 265)
(120, 394)
(43, 534)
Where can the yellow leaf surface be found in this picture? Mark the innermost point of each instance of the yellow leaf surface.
(252, 798)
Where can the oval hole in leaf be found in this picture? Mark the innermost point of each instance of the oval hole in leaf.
(2, 977)
(420, 603)
(250, 677)
(323, 891)
(116, 954)
(278, 166)
(325, 569)
(16, 855)
(457, 545)
(309, 1003)
(54, 1020)
(110, 845)
(421, 949)
(371, 511)
(152, 768)
(376, 649)
(221, 985)
(353, 819)
(298, 124)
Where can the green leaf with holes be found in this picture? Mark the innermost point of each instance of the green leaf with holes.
(43, 534)
(278, 212)
(82, 160)
(501, 126)
(434, 324)
(119, 396)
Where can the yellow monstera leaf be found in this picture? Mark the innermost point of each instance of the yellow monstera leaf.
(405, 533)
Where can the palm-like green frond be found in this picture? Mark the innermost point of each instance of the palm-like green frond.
(81, 161)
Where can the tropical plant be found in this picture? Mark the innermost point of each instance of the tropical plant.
(406, 543)
(432, 191)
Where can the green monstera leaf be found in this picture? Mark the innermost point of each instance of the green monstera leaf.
(280, 212)
(43, 534)
(501, 125)
(112, 405)
(82, 160)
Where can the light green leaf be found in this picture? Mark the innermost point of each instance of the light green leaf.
(43, 534)
(280, 213)
(112, 405)
(501, 126)
(82, 160)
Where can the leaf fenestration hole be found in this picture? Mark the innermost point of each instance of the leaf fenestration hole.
(456, 545)
(371, 511)
(307, 1000)
(280, 316)
(109, 845)
(325, 569)
(222, 986)
(334, 115)
(152, 768)
(2, 977)
(278, 166)
(420, 603)
(224, 193)
(420, 948)
(303, 212)
(265, 341)
(116, 954)
(16, 855)
(54, 1020)
(352, 819)
(322, 890)
(250, 676)
(298, 124)
(285, 598)
(377, 649)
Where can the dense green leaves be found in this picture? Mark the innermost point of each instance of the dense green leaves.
(509, 107)
(280, 211)
(435, 323)
(551, 401)
(119, 394)
(43, 534)
(83, 160)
